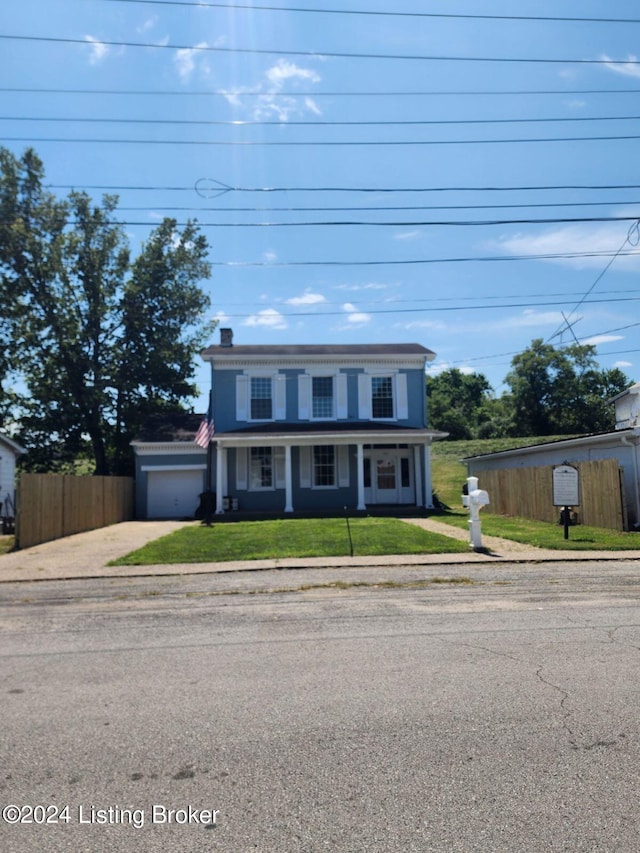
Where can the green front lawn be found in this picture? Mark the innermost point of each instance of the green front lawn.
(542, 534)
(260, 540)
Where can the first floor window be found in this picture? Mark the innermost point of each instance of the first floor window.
(382, 397)
(261, 468)
(324, 465)
(261, 400)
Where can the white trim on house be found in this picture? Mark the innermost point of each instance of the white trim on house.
(351, 363)
(173, 468)
(167, 448)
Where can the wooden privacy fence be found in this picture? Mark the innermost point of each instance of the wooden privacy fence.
(528, 492)
(50, 506)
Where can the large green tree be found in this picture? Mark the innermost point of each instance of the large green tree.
(96, 342)
(561, 391)
(457, 402)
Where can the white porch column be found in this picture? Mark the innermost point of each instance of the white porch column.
(360, 458)
(417, 468)
(221, 462)
(288, 480)
(428, 485)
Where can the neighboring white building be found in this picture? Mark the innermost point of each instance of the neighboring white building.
(9, 452)
(622, 444)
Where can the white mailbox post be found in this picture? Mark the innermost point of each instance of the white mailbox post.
(477, 498)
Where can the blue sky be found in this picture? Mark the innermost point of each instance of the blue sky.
(387, 143)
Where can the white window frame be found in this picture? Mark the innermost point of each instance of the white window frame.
(278, 396)
(341, 467)
(400, 403)
(339, 408)
(265, 379)
(252, 485)
(243, 469)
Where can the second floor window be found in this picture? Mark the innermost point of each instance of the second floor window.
(382, 397)
(261, 400)
(322, 397)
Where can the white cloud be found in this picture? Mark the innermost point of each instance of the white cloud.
(421, 324)
(269, 318)
(575, 240)
(601, 339)
(531, 317)
(270, 257)
(622, 364)
(355, 317)
(440, 367)
(370, 286)
(284, 71)
(221, 318)
(149, 24)
(186, 61)
(627, 68)
(406, 235)
(273, 105)
(99, 50)
(307, 298)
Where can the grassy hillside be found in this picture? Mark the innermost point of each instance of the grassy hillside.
(449, 473)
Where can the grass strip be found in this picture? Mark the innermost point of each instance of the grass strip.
(542, 534)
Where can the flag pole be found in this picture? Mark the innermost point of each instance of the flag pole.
(208, 499)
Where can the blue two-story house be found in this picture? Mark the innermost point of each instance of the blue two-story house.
(298, 428)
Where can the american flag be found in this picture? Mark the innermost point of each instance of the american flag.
(205, 432)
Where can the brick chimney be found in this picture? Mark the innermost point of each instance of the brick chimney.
(226, 337)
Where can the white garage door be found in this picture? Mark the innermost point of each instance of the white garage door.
(173, 494)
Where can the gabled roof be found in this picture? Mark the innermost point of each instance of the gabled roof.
(633, 389)
(13, 445)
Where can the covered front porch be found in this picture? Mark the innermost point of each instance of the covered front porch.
(322, 469)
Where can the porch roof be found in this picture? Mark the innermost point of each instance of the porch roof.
(327, 432)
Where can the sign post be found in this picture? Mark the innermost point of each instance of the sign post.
(566, 491)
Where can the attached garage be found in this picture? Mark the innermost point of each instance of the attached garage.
(174, 493)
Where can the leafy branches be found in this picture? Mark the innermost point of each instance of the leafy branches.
(97, 341)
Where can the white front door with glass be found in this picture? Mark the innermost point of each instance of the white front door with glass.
(388, 477)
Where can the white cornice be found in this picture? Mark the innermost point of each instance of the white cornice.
(359, 362)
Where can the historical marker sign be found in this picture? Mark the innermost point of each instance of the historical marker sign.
(566, 487)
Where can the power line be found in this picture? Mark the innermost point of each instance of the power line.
(322, 54)
(376, 208)
(218, 185)
(225, 93)
(314, 122)
(323, 143)
(425, 261)
(633, 237)
(386, 14)
(401, 223)
(461, 299)
(438, 309)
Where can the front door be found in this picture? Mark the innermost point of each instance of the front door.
(388, 477)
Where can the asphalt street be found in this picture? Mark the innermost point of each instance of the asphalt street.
(471, 708)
